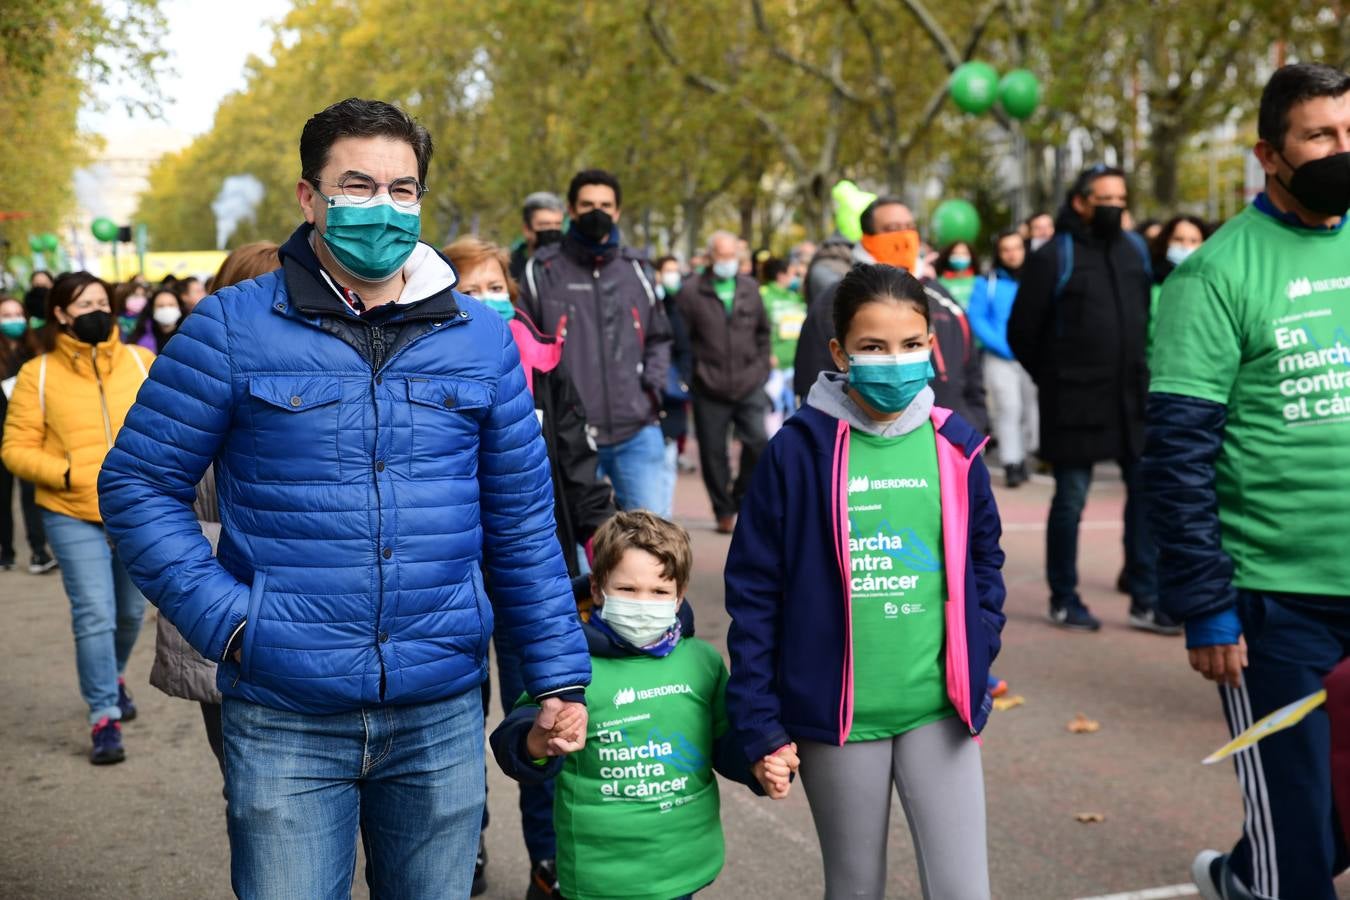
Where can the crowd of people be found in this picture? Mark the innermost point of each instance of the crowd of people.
(348, 464)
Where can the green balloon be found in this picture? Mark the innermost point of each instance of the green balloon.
(974, 86)
(50, 243)
(35, 243)
(955, 220)
(104, 229)
(1019, 93)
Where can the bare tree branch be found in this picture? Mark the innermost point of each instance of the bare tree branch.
(950, 55)
(831, 78)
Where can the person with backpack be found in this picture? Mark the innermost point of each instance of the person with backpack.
(1080, 329)
(67, 408)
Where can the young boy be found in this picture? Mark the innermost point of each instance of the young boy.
(636, 810)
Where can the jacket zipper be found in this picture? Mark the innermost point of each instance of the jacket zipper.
(102, 397)
(600, 344)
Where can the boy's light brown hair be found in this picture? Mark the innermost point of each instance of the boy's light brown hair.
(647, 531)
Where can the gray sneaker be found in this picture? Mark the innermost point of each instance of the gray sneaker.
(1149, 618)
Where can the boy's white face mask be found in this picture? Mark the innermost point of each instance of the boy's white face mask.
(639, 622)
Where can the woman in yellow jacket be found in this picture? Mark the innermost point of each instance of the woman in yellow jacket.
(67, 407)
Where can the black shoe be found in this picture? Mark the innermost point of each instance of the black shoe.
(108, 748)
(7, 562)
(1123, 581)
(41, 564)
(480, 884)
(1074, 616)
(543, 881)
(124, 701)
(1016, 476)
(1148, 618)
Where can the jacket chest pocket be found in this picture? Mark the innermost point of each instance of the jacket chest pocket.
(446, 415)
(295, 428)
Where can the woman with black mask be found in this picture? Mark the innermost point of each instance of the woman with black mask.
(67, 407)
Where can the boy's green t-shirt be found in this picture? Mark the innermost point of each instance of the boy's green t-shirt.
(786, 311)
(637, 812)
(898, 586)
(1257, 319)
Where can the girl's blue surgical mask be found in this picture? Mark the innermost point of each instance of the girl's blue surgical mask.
(958, 263)
(372, 240)
(889, 382)
(13, 328)
(500, 304)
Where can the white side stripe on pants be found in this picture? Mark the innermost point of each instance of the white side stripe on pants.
(1259, 826)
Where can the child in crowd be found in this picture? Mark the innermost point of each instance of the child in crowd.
(866, 600)
(636, 809)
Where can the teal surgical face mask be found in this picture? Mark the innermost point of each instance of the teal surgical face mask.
(890, 382)
(371, 240)
(13, 328)
(959, 263)
(500, 304)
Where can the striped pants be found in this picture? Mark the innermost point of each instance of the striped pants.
(1291, 845)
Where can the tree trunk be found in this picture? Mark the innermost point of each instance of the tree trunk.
(1166, 146)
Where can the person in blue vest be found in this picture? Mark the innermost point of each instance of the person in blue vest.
(377, 454)
(1080, 329)
(1012, 390)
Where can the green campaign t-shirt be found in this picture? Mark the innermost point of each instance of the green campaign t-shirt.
(1257, 319)
(898, 585)
(786, 311)
(636, 811)
(725, 288)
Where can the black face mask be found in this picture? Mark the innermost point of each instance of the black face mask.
(595, 225)
(547, 236)
(1106, 220)
(1321, 185)
(92, 327)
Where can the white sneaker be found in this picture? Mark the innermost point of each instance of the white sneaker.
(1202, 873)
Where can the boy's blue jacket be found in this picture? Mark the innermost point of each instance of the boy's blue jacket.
(790, 641)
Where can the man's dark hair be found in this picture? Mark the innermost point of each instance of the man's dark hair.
(355, 117)
(540, 200)
(36, 273)
(867, 283)
(868, 219)
(1082, 185)
(593, 176)
(1290, 86)
(660, 262)
(1036, 215)
(773, 267)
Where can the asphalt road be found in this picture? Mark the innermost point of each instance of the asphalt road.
(154, 826)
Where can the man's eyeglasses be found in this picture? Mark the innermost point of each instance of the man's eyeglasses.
(360, 188)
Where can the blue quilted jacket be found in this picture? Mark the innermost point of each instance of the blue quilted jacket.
(370, 469)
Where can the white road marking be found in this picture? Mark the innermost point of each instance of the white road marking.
(1158, 893)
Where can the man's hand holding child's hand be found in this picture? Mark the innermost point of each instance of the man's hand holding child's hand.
(559, 729)
(774, 772)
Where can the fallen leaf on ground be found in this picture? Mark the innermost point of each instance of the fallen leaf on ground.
(1081, 724)
(1003, 703)
(1090, 818)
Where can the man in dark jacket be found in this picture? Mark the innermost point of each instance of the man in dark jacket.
(617, 338)
(1079, 326)
(377, 454)
(1248, 479)
(888, 226)
(541, 225)
(729, 333)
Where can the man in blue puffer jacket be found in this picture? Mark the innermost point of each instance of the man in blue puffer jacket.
(376, 453)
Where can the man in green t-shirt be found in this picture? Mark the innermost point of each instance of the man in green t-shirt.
(1247, 473)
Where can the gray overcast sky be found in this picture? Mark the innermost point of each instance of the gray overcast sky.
(208, 42)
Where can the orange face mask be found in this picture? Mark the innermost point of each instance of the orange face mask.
(894, 248)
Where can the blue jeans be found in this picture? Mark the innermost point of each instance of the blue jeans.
(106, 608)
(536, 801)
(409, 778)
(1061, 537)
(637, 469)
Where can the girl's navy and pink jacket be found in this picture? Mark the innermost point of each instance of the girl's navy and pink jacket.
(787, 584)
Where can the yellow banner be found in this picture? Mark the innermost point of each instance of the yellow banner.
(1279, 720)
(202, 263)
